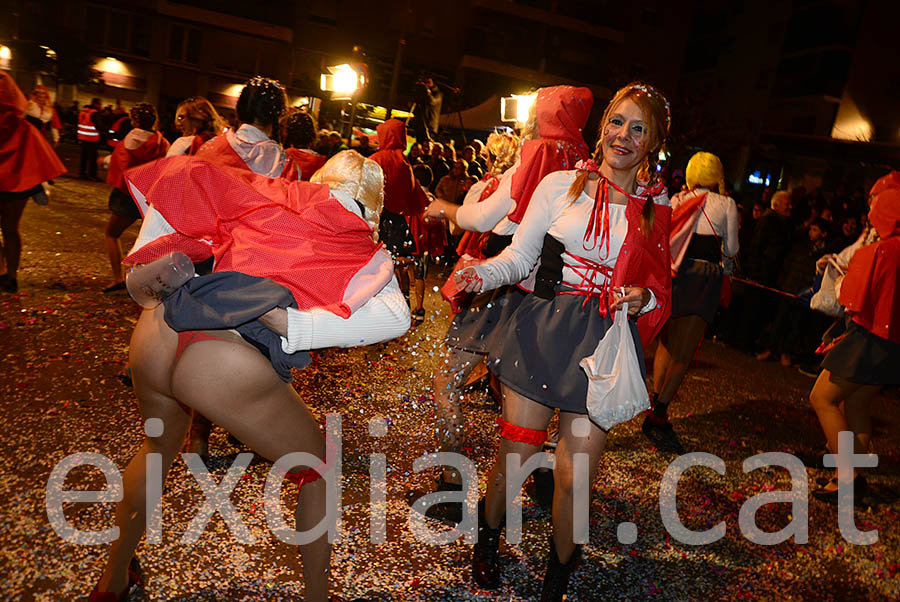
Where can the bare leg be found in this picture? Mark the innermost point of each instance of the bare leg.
(564, 475)
(826, 397)
(684, 334)
(152, 354)
(519, 411)
(661, 359)
(198, 436)
(115, 227)
(451, 374)
(10, 216)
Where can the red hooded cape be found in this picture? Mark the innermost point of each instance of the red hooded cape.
(561, 114)
(869, 291)
(472, 243)
(293, 233)
(402, 194)
(307, 162)
(26, 158)
(122, 158)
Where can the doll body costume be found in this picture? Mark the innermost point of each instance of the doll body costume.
(870, 351)
(567, 314)
(311, 240)
(26, 158)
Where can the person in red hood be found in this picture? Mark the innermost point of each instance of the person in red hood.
(867, 356)
(298, 131)
(404, 202)
(26, 161)
(142, 145)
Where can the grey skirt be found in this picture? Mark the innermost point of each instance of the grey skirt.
(477, 329)
(542, 343)
(696, 289)
(864, 358)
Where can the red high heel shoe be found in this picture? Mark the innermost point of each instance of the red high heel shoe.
(135, 580)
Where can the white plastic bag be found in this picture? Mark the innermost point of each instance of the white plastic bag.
(616, 390)
(826, 298)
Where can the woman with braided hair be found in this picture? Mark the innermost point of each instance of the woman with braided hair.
(142, 145)
(551, 140)
(704, 234)
(601, 233)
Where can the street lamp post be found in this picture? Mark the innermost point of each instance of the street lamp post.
(343, 81)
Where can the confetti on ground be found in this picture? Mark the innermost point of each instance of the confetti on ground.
(64, 343)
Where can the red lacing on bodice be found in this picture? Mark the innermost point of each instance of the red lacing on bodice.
(589, 287)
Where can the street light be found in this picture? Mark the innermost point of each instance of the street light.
(515, 108)
(342, 81)
(5, 53)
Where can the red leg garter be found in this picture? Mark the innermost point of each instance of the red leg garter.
(520, 434)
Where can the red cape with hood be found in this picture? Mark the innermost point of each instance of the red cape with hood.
(402, 194)
(293, 233)
(26, 158)
(869, 291)
(155, 147)
(561, 113)
(306, 161)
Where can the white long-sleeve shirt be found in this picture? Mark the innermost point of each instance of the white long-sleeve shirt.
(490, 214)
(383, 317)
(722, 212)
(552, 211)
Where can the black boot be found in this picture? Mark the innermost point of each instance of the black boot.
(556, 580)
(486, 554)
(449, 513)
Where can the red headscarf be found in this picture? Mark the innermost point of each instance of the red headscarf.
(402, 194)
(561, 114)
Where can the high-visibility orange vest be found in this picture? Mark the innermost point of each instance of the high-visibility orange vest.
(86, 130)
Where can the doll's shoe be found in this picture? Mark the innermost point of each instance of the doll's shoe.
(135, 581)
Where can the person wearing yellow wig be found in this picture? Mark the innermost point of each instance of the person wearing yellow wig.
(704, 233)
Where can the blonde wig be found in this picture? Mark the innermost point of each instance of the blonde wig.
(361, 178)
(504, 150)
(705, 170)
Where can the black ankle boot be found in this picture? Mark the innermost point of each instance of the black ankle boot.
(556, 580)
(486, 554)
(450, 513)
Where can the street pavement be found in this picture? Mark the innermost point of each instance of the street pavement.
(63, 344)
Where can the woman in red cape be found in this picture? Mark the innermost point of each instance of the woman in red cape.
(601, 234)
(867, 357)
(404, 202)
(142, 145)
(26, 161)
